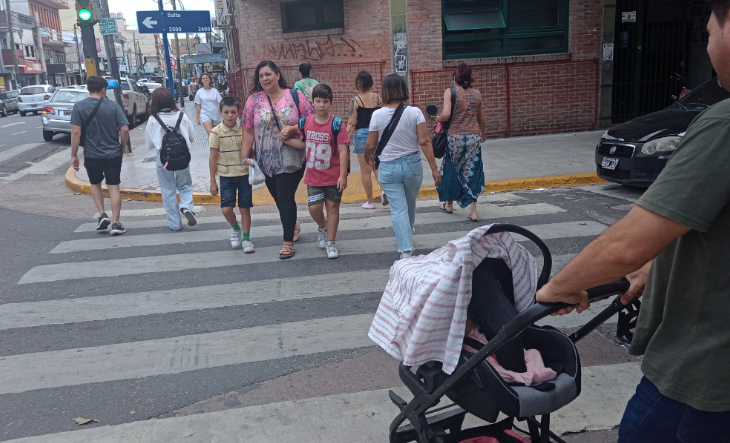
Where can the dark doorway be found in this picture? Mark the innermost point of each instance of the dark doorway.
(654, 39)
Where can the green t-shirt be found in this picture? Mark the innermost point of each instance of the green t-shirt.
(684, 324)
(306, 85)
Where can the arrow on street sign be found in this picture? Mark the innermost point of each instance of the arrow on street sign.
(149, 22)
(153, 22)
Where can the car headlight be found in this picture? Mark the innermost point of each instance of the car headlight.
(664, 144)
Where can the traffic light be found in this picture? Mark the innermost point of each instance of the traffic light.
(84, 10)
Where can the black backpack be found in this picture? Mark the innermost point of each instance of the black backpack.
(174, 153)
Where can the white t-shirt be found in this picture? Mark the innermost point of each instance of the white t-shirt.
(404, 140)
(208, 101)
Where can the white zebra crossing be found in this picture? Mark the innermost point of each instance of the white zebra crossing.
(362, 416)
(274, 216)
(71, 367)
(106, 307)
(381, 222)
(182, 262)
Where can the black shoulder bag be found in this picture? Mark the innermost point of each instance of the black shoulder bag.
(388, 132)
(441, 140)
(85, 125)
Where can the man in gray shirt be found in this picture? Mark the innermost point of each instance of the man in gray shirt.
(98, 121)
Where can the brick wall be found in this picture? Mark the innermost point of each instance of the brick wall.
(586, 29)
(336, 55)
(522, 99)
(424, 28)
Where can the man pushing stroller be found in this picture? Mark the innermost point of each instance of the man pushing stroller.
(674, 247)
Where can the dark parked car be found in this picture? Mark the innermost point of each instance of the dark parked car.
(635, 152)
(8, 103)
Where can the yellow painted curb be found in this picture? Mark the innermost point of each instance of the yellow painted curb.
(355, 192)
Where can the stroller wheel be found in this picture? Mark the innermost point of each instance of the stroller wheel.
(627, 322)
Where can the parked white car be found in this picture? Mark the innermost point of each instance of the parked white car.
(34, 98)
(135, 101)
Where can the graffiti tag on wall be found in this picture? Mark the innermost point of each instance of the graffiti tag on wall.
(314, 50)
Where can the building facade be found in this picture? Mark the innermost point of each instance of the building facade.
(541, 65)
(536, 62)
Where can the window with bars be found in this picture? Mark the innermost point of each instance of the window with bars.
(59, 57)
(496, 28)
(310, 15)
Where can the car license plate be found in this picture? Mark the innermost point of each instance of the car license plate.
(609, 163)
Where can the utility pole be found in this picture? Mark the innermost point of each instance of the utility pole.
(179, 62)
(39, 42)
(79, 56)
(11, 31)
(111, 53)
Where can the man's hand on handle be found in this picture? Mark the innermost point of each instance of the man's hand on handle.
(638, 283)
(550, 294)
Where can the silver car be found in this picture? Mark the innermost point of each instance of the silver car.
(57, 112)
(8, 103)
(34, 98)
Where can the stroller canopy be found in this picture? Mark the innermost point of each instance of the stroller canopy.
(422, 314)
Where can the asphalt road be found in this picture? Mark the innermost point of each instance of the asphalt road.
(17, 131)
(48, 262)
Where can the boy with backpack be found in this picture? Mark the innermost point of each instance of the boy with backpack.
(306, 84)
(225, 162)
(328, 158)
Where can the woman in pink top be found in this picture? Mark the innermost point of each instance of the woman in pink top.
(462, 170)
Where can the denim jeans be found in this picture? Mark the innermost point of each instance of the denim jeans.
(401, 180)
(651, 417)
(170, 183)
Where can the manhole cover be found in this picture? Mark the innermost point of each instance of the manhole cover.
(149, 159)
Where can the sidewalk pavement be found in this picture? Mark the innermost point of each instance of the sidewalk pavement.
(509, 164)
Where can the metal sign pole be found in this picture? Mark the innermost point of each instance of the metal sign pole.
(165, 42)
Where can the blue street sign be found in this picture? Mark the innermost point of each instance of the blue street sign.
(155, 22)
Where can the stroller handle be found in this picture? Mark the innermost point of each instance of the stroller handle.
(539, 311)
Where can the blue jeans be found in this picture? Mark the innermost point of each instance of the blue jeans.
(360, 139)
(401, 180)
(172, 182)
(651, 417)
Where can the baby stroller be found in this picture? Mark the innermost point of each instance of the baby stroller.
(475, 386)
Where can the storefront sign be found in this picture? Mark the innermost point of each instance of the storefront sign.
(628, 17)
(32, 67)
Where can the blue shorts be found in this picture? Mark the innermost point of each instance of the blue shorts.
(230, 186)
(360, 139)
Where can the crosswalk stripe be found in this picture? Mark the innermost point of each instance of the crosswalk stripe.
(106, 307)
(273, 216)
(12, 152)
(363, 417)
(25, 372)
(45, 166)
(181, 262)
(489, 211)
(149, 212)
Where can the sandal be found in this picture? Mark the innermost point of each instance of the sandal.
(474, 220)
(297, 230)
(443, 208)
(286, 252)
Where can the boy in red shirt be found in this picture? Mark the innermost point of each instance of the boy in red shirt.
(327, 164)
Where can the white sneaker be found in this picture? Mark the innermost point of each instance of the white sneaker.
(322, 237)
(248, 247)
(406, 254)
(332, 251)
(235, 238)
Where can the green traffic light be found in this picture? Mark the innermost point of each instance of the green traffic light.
(85, 15)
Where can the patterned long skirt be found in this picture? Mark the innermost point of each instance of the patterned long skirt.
(462, 170)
